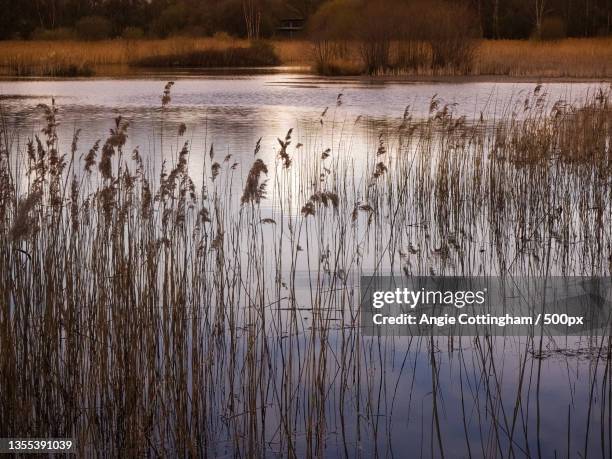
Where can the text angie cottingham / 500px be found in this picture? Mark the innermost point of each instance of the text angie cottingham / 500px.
(479, 319)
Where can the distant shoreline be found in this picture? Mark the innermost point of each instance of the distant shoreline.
(568, 60)
(310, 77)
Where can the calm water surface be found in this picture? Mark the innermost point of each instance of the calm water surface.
(233, 112)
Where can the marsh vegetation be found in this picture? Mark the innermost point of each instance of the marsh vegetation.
(214, 311)
(325, 54)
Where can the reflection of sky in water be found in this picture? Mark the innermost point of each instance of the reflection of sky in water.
(476, 400)
(234, 112)
(373, 99)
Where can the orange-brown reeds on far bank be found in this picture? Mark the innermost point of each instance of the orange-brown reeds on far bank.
(52, 58)
(569, 58)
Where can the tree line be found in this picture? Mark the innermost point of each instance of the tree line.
(93, 19)
(528, 18)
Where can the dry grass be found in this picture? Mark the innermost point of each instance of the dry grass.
(258, 54)
(575, 58)
(295, 52)
(146, 317)
(571, 58)
(40, 57)
(108, 52)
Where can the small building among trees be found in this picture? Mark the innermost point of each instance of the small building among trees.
(290, 27)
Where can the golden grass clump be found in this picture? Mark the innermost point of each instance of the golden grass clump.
(77, 58)
(568, 58)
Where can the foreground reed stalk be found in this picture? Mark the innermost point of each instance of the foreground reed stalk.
(143, 314)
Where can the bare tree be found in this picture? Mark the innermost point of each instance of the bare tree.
(252, 18)
(540, 8)
(477, 5)
(48, 12)
(496, 18)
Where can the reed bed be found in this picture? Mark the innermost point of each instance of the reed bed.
(258, 54)
(145, 315)
(49, 58)
(568, 58)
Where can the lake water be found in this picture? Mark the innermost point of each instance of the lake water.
(391, 397)
(234, 112)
